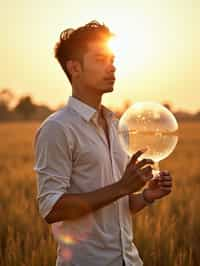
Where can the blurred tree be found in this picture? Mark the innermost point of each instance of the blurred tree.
(119, 111)
(6, 97)
(25, 107)
(197, 116)
(4, 112)
(168, 106)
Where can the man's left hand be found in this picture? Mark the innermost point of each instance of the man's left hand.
(159, 186)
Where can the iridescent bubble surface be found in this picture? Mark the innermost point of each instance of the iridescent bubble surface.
(148, 125)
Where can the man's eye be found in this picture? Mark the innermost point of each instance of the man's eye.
(101, 59)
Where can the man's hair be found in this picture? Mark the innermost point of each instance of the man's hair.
(73, 43)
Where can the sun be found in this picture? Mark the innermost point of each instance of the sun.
(133, 45)
(131, 51)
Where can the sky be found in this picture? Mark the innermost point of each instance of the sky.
(157, 59)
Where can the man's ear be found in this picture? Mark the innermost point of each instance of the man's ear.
(73, 67)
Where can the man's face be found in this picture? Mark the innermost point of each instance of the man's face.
(98, 72)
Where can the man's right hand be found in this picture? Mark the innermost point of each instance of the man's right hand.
(137, 173)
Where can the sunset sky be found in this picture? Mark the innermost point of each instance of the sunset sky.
(158, 58)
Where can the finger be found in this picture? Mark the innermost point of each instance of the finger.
(147, 169)
(164, 173)
(136, 156)
(165, 184)
(165, 178)
(143, 163)
(146, 173)
(166, 189)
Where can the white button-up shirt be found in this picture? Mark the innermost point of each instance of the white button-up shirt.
(73, 156)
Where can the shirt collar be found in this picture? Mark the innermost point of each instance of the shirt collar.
(87, 112)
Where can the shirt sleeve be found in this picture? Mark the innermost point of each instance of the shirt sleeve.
(53, 164)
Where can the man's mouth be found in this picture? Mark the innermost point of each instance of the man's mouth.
(110, 79)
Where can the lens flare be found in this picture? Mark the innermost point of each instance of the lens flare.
(71, 232)
(67, 239)
(66, 254)
(113, 45)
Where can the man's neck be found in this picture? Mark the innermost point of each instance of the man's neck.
(95, 102)
(91, 100)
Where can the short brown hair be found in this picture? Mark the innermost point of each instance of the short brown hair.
(73, 43)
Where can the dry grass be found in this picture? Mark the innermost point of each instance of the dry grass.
(166, 234)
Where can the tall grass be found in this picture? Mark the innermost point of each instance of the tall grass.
(166, 234)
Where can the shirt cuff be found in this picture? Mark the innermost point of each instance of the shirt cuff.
(46, 204)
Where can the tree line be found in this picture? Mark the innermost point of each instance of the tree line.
(25, 109)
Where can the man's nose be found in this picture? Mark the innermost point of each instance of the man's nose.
(112, 67)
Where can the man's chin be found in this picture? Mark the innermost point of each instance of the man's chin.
(108, 89)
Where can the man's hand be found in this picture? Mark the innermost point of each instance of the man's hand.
(136, 174)
(159, 186)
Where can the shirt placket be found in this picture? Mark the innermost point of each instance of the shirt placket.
(100, 133)
(118, 202)
(112, 165)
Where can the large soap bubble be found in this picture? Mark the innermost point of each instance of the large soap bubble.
(148, 125)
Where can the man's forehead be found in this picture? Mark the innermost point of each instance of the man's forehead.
(100, 48)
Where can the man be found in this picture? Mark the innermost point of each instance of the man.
(86, 185)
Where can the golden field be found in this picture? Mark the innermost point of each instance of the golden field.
(166, 234)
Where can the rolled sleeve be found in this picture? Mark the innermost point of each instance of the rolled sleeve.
(53, 164)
